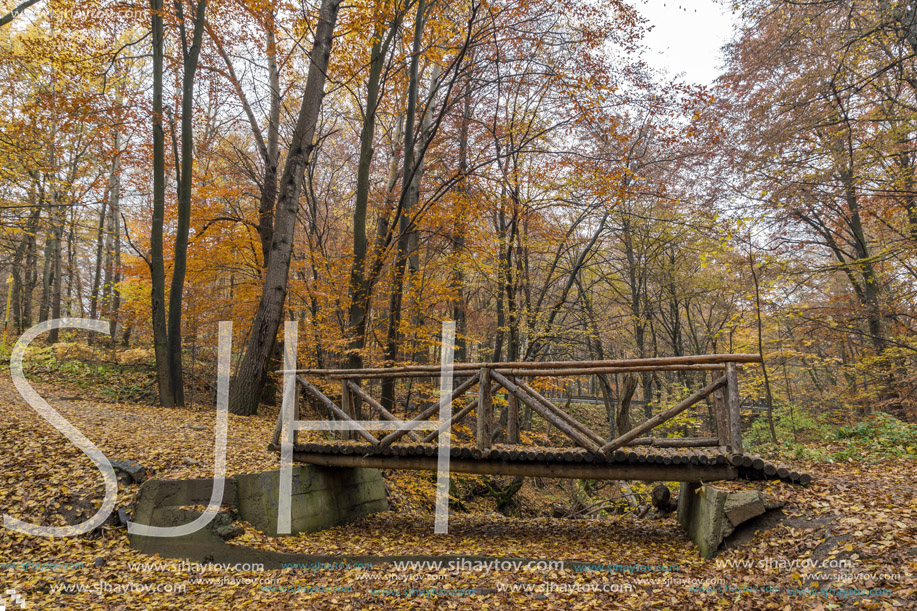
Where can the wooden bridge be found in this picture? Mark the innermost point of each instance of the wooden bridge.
(630, 455)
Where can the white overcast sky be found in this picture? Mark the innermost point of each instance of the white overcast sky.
(686, 36)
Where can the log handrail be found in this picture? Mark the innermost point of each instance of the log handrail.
(710, 360)
(726, 402)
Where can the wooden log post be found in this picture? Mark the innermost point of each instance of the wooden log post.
(297, 410)
(658, 419)
(484, 435)
(355, 403)
(512, 416)
(275, 437)
(733, 408)
(721, 421)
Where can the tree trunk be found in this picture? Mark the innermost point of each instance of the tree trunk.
(359, 277)
(248, 382)
(113, 272)
(413, 287)
(30, 271)
(459, 233)
(46, 278)
(157, 262)
(100, 253)
(22, 270)
(404, 223)
(73, 273)
(180, 257)
(767, 382)
(55, 282)
(269, 190)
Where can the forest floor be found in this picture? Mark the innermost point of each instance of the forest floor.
(848, 540)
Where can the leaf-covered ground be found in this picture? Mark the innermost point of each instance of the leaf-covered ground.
(848, 541)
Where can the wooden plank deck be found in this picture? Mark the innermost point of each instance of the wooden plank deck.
(634, 463)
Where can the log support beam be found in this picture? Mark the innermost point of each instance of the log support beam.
(645, 472)
(658, 419)
(556, 421)
(334, 409)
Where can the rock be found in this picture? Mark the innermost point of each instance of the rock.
(99, 561)
(223, 527)
(134, 470)
(743, 506)
(197, 427)
(770, 503)
(190, 461)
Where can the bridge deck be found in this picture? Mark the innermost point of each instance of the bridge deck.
(637, 463)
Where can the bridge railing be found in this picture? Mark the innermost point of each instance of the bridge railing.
(513, 379)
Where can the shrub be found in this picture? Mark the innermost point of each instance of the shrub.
(791, 425)
(881, 434)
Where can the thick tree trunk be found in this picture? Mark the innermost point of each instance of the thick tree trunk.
(248, 382)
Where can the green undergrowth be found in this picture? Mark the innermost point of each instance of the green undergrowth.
(97, 378)
(802, 435)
